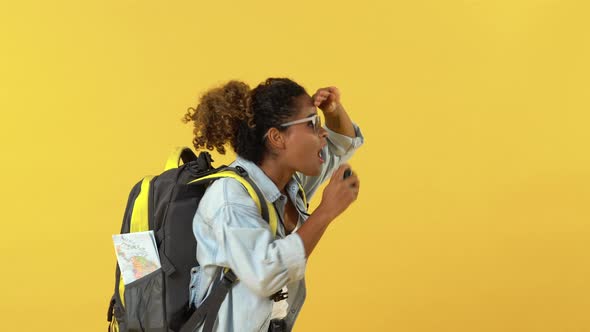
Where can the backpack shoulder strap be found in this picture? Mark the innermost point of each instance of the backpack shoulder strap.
(207, 311)
(238, 174)
(301, 190)
(139, 216)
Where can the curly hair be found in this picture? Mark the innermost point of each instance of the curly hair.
(233, 113)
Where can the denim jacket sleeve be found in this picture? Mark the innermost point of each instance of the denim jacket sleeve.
(230, 232)
(338, 150)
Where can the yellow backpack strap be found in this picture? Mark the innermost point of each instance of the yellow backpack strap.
(114, 325)
(256, 195)
(121, 292)
(272, 218)
(253, 191)
(139, 220)
(139, 216)
(180, 153)
(301, 190)
(229, 277)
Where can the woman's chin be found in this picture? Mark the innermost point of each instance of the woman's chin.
(312, 172)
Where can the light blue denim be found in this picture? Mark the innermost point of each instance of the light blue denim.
(230, 232)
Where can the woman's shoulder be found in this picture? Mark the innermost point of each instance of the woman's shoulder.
(226, 192)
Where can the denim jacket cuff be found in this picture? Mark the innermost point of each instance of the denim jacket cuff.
(344, 144)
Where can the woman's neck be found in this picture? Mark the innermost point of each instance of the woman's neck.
(277, 173)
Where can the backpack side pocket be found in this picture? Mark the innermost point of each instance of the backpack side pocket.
(144, 304)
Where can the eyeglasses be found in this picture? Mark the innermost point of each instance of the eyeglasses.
(315, 123)
(315, 120)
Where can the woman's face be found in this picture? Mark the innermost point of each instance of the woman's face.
(305, 141)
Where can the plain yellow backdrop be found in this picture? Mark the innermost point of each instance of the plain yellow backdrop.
(475, 204)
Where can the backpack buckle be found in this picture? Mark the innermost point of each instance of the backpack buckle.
(279, 296)
(241, 171)
(229, 276)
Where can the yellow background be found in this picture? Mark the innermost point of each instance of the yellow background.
(474, 210)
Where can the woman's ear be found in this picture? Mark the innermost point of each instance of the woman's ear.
(275, 139)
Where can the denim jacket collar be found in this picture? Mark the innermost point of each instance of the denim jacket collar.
(264, 183)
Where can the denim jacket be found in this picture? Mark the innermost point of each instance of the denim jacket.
(230, 232)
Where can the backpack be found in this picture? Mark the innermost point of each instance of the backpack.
(166, 204)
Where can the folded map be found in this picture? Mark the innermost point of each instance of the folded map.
(137, 255)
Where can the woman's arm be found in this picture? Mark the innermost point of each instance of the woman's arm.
(230, 232)
(344, 138)
(337, 196)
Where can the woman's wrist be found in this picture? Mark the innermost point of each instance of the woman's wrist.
(335, 113)
(323, 215)
(339, 122)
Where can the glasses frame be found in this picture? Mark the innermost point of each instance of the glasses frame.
(315, 120)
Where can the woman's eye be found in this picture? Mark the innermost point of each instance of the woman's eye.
(310, 124)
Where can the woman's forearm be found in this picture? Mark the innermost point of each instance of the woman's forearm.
(338, 121)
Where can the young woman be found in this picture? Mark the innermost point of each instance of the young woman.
(277, 133)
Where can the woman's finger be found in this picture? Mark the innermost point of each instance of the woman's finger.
(322, 92)
(351, 180)
(339, 173)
